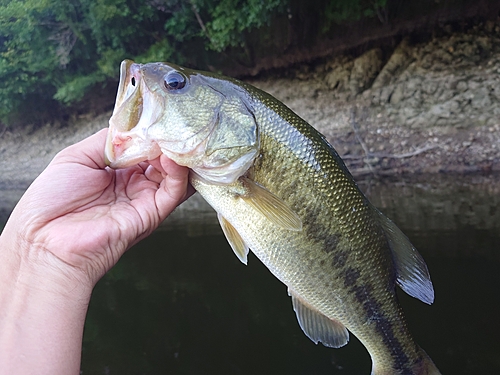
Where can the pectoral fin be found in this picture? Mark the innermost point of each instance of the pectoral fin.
(411, 271)
(233, 237)
(317, 326)
(271, 206)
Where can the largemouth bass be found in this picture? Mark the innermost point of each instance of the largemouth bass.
(280, 189)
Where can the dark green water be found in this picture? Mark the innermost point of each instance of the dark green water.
(180, 302)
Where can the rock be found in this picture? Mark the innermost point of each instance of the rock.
(485, 44)
(366, 67)
(386, 94)
(430, 87)
(445, 110)
(461, 86)
(446, 95)
(397, 95)
(398, 61)
(481, 99)
(495, 91)
(338, 78)
(473, 85)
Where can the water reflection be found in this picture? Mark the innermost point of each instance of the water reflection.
(180, 302)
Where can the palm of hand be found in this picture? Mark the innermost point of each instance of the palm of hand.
(87, 216)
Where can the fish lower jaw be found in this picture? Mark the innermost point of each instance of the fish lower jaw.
(127, 163)
(126, 151)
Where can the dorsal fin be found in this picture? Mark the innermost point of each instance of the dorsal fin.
(233, 237)
(411, 271)
(317, 326)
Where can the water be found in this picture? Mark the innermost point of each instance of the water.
(180, 302)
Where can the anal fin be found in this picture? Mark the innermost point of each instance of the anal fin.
(318, 327)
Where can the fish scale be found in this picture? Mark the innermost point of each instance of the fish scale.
(320, 276)
(281, 190)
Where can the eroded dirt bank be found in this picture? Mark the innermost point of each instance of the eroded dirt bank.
(423, 107)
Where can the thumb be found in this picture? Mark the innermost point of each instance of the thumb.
(174, 188)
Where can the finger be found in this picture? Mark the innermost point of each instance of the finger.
(153, 174)
(157, 165)
(177, 172)
(172, 169)
(173, 189)
(89, 152)
(144, 165)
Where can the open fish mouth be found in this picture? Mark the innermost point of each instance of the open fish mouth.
(145, 122)
(135, 110)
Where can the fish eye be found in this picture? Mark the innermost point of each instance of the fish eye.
(133, 81)
(174, 81)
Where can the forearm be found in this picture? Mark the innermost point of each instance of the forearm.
(42, 313)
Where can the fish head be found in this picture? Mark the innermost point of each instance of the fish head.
(198, 119)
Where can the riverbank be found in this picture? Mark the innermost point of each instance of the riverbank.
(420, 107)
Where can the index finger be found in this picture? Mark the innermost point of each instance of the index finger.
(89, 152)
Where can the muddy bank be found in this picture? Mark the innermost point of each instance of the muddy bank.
(420, 107)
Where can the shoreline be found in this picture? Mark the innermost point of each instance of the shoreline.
(426, 108)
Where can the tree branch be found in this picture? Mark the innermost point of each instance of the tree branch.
(200, 21)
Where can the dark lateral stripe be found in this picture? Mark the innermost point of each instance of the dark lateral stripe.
(351, 277)
(339, 259)
(373, 309)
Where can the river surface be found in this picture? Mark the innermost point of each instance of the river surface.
(180, 302)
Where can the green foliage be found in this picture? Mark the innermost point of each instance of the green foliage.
(22, 66)
(53, 53)
(351, 10)
(228, 27)
(75, 89)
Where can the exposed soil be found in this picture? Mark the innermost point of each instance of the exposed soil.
(423, 107)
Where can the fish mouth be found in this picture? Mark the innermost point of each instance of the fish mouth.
(140, 127)
(135, 110)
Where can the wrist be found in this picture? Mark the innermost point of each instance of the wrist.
(29, 266)
(42, 311)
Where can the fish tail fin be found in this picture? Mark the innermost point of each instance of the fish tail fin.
(423, 366)
(426, 366)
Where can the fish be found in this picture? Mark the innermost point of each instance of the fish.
(282, 191)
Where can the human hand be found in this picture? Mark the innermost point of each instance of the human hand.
(70, 227)
(79, 217)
